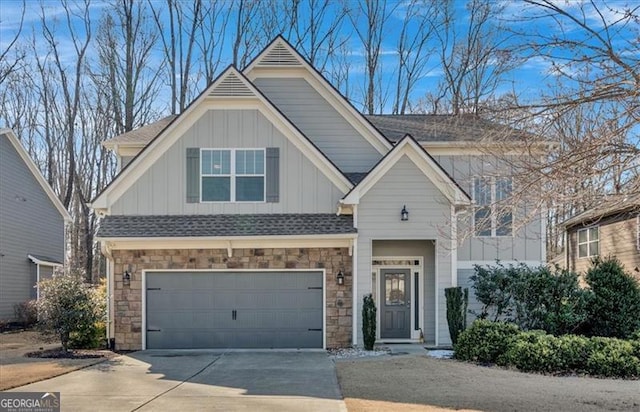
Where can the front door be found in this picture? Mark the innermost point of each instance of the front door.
(395, 303)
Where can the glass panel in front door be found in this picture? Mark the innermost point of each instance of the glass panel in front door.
(394, 289)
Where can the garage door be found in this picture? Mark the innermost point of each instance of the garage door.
(233, 310)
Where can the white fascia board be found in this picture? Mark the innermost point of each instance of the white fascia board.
(322, 86)
(43, 262)
(181, 125)
(422, 161)
(230, 243)
(13, 139)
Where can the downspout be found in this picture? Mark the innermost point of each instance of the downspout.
(110, 285)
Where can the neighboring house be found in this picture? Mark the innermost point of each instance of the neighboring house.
(32, 226)
(610, 229)
(261, 215)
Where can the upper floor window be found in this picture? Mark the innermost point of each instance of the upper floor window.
(493, 215)
(232, 175)
(588, 242)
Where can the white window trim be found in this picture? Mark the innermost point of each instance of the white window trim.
(588, 242)
(233, 175)
(492, 205)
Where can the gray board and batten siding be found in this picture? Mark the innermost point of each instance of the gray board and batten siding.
(321, 123)
(247, 310)
(524, 245)
(161, 189)
(429, 216)
(29, 224)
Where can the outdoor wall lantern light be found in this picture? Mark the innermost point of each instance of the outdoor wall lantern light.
(126, 277)
(340, 278)
(404, 214)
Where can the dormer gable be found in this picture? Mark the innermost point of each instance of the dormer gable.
(409, 147)
(316, 107)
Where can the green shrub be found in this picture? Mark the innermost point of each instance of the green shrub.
(540, 352)
(484, 341)
(457, 304)
(368, 321)
(492, 287)
(70, 308)
(26, 313)
(532, 298)
(614, 301)
(548, 300)
(611, 357)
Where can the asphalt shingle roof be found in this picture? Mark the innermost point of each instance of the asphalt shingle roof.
(225, 225)
(142, 135)
(608, 206)
(442, 128)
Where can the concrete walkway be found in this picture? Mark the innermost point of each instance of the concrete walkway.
(201, 380)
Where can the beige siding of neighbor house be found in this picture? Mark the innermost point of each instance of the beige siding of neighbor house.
(161, 190)
(320, 122)
(378, 216)
(618, 238)
(524, 245)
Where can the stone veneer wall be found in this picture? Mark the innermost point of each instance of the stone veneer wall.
(128, 299)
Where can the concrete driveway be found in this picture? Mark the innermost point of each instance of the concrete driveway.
(201, 380)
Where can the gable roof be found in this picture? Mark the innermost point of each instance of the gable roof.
(444, 128)
(611, 205)
(230, 89)
(424, 161)
(13, 139)
(281, 54)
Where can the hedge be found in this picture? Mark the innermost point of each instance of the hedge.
(535, 351)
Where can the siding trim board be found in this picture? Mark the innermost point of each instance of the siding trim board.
(161, 143)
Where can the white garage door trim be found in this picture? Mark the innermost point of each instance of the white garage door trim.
(150, 271)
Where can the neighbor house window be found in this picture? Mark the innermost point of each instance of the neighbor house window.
(232, 175)
(588, 242)
(493, 215)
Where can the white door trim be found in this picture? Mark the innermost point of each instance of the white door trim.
(415, 334)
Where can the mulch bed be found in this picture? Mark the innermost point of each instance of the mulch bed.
(58, 353)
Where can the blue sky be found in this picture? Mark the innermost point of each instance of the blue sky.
(529, 80)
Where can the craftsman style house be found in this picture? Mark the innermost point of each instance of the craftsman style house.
(261, 215)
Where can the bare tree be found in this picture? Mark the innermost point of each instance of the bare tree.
(128, 68)
(179, 45)
(370, 22)
(413, 50)
(78, 26)
(10, 55)
(246, 40)
(210, 40)
(473, 58)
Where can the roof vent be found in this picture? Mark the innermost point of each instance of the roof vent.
(231, 86)
(279, 55)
